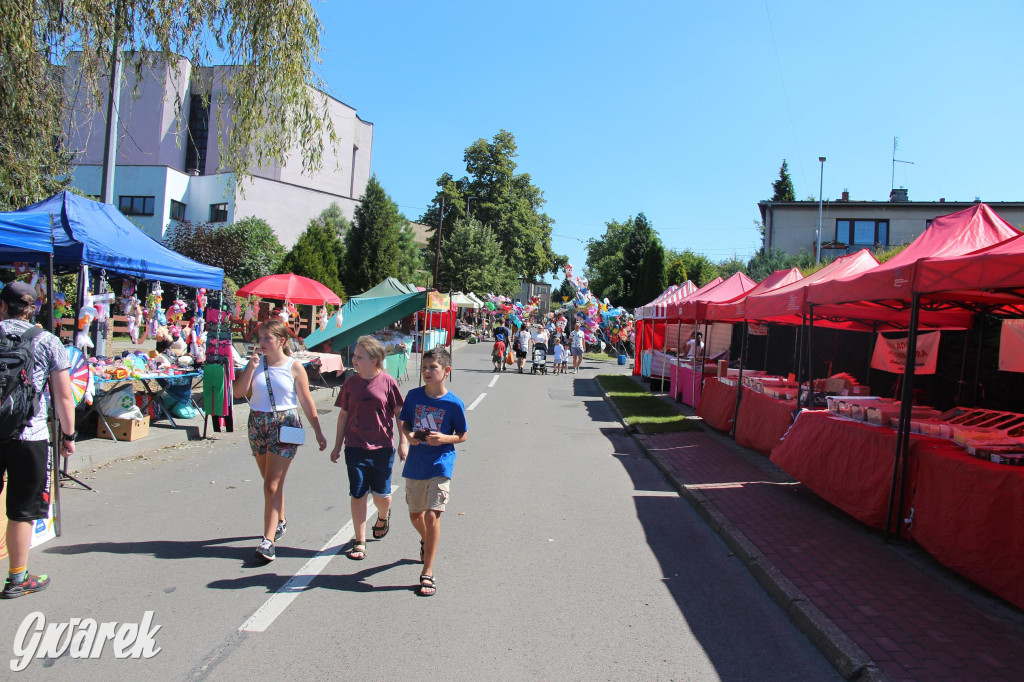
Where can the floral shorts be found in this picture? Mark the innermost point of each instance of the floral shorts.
(263, 430)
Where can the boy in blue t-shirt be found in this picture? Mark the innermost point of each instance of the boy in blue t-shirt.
(434, 420)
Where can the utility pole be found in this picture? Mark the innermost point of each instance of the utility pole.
(437, 252)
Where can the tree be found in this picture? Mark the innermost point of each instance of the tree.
(506, 201)
(246, 250)
(675, 269)
(641, 239)
(273, 108)
(651, 281)
(699, 268)
(604, 261)
(471, 260)
(411, 262)
(782, 189)
(731, 266)
(371, 246)
(319, 252)
(565, 290)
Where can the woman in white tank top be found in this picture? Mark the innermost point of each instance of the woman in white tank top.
(290, 386)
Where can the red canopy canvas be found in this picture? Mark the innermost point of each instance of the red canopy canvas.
(656, 308)
(955, 234)
(990, 277)
(733, 311)
(290, 287)
(694, 307)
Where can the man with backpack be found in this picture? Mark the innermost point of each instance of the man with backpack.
(29, 357)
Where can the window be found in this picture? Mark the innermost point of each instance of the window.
(198, 135)
(863, 232)
(178, 210)
(218, 213)
(129, 205)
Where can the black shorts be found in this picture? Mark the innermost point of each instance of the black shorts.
(520, 353)
(28, 478)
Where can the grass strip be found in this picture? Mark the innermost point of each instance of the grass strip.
(641, 409)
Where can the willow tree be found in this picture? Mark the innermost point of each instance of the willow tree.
(275, 95)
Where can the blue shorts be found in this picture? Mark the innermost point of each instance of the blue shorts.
(369, 470)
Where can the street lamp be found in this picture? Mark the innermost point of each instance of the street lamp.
(821, 181)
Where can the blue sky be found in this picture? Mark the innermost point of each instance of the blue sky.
(684, 111)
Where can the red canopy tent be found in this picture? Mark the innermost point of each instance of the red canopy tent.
(649, 330)
(694, 308)
(734, 310)
(992, 277)
(951, 235)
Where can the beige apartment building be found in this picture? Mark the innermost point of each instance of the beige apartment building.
(848, 225)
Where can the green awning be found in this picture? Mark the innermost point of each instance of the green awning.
(387, 288)
(364, 316)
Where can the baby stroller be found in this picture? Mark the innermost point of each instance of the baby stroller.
(539, 361)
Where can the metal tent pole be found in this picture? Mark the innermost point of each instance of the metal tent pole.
(739, 382)
(903, 430)
(810, 365)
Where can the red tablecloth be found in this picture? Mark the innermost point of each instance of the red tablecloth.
(762, 421)
(845, 462)
(969, 514)
(717, 404)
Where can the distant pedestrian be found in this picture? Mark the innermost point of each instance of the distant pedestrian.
(434, 420)
(540, 338)
(498, 355)
(576, 342)
(559, 360)
(521, 346)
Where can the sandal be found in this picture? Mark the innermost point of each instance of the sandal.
(358, 551)
(427, 587)
(421, 551)
(380, 531)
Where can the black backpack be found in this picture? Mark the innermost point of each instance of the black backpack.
(19, 398)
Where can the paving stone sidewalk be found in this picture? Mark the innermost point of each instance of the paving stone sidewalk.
(877, 611)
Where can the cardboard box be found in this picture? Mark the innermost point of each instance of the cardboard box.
(124, 429)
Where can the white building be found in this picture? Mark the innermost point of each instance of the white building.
(848, 226)
(168, 169)
(542, 290)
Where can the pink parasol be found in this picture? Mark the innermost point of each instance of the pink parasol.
(290, 287)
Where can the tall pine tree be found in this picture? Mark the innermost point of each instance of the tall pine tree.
(372, 245)
(782, 189)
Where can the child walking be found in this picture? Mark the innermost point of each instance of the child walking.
(279, 387)
(370, 402)
(434, 420)
(559, 355)
(498, 355)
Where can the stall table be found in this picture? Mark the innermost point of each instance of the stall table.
(153, 398)
(717, 405)
(846, 462)
(397, 365)
(969, 514)
(762, 421)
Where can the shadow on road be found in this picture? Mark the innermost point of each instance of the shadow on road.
(216, 548)
(351, 582)
(719, 600)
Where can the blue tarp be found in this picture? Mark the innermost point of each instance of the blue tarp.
(98, 235)
(24, 236)
(364, 316)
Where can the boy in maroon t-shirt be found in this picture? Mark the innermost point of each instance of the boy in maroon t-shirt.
(370, 402)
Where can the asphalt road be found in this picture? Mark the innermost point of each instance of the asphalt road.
(564, 555)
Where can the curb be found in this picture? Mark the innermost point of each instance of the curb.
(845, 655)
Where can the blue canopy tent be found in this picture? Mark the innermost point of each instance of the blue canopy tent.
(90, 233)
(365, 316)
(24, 237)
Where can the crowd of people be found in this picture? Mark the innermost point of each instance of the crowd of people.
(515, 347)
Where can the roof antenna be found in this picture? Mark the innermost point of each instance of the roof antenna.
(892, 183)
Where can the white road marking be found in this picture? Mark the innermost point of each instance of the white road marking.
(280, 600)
(477, 401)
(493, 381)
